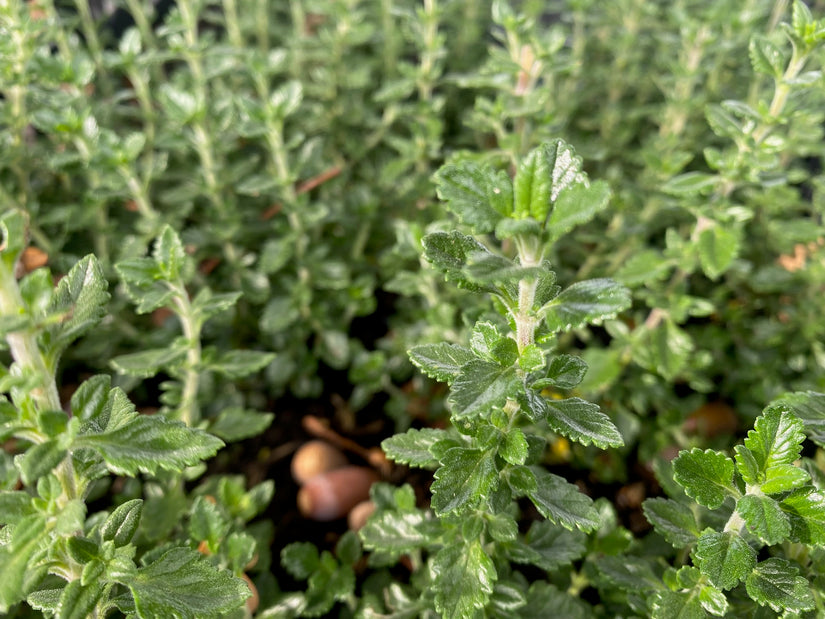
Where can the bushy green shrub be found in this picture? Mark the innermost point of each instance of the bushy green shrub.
(565, 246)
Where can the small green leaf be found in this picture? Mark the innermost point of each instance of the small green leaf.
(724, 123)
(144, 284)
(467, 189)
(130, 442)
(549, 546)
(27, 537)
(646, 266)
(576, 419)
(80, 299)
(585, 302)
(300, 559)
(147, 363)
(122, 523)
(14, 506)
(286, 99)
(713, 600)
(91, 397)
(773, 445)
(169, 254)
(514, 448)
(764, 518)
(77, 601)
(664, 349)
(40, 460)
(396, 531)
(14, 231)
(531, 358)
(235, 423)
(466, 478)
(766, 58)
(502, 527)
(236, 364)
(562, 502)
(413, 447)
(776, 438)
(449, 252)
(182, 583)
(45, 599)
(691, 183)
(718, 247)
(809, 406)
(725, 558)
(684, 604)
(487, 342)
(628, 573)
(479, 387)
(563, 372)
(575, 206)
(776, 583)
(706, 476)
(521, 480)
(463, 579)
(207, 524)
(672, 520)
(440, 361)
(805, 509)
(532, 186)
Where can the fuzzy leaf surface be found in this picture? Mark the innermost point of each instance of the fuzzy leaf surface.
(27, 538)
(413, 447)
(131, 443)
(575, 206)
(549, 546)
(563, 372)
(725, 558)
(467, 189)
(182, 583)
(577, 419)
(706, 476)
(776, 583)
(80, 298)
(464, 577)
(121, 525)
(440, 361)
(396, 531)
(585, 302)
(450, 252)
(672, 520)
(562, 502)
(805, 509)
(466, 477)
(776, 439)
(764, 518)
(809, 406)
(147, 363)
(479, 387)
(718, 247)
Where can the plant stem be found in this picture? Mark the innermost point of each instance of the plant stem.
(24, 346)
(188, 409)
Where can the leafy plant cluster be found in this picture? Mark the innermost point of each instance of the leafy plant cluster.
(232, 203)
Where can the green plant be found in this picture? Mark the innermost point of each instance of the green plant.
(503, 408)
(255, 180)
(55, 555)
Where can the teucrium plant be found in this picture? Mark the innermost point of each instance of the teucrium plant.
(753, 524)
(504, 387)
(53, 554)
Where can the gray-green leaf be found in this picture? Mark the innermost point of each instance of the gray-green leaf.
(584, 302)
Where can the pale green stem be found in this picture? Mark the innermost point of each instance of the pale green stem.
(27, 355)
(188, 409)
(530, 255)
